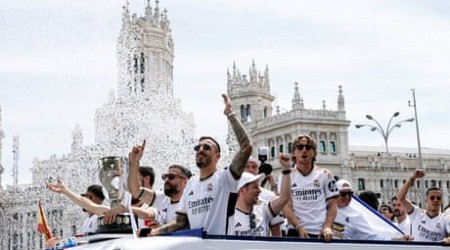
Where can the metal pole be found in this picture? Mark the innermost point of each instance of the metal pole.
(418, 139)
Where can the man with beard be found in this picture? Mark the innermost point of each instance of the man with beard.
(174, 183)
(209, 197)
(400, 215)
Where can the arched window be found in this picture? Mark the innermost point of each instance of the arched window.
(332, 147)
(289, 147)
(243, 114)
(281, 147)
(248, 113)
(265, 112)
(322, 147)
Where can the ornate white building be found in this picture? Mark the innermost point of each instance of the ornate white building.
(366, 167)
(143, 106)
(144, 101)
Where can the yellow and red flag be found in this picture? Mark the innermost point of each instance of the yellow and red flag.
(42, 225)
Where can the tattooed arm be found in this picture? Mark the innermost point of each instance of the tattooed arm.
(237, 166)
(181, 222)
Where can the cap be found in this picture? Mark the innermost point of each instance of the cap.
(246, 178)
(253, 159)
(343, 185)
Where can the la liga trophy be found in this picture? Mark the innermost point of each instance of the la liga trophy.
(111, 175)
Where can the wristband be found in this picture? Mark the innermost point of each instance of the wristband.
(286, 171)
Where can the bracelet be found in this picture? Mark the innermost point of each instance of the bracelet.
(286, 171)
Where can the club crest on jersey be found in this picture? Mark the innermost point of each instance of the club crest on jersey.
(438, 225)
(210, 187)
(316, 183)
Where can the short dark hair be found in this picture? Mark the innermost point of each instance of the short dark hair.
(147, 171)
(433, 189)
(212, 139)
(186, 172)
(97, 191)
(370, 198)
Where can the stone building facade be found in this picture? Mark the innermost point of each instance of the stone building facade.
(366, 167)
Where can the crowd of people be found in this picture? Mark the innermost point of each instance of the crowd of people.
(306, 201)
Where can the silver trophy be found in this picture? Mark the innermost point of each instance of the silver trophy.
(111, 169)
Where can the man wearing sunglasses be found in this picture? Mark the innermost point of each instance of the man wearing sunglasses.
(349, 223)
(314, 194)
(209, 198)
(429, 224)
(174, 183)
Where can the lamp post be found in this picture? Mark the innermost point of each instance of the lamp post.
(385, 134)
(414, 104)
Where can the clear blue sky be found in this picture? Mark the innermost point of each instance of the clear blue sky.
(57, 64)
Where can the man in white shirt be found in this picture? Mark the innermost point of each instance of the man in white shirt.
(208, 199)
(429, 224)
(401, 217)
(314, 193)
(252, 216)
(95, 194)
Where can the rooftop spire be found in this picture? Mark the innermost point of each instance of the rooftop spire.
(297, 102)
(341, 102)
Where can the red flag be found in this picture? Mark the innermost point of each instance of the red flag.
(42, 225)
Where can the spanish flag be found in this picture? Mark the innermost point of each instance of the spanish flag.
(42, 225)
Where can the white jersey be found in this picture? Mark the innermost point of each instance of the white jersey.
(309, 197)
(425, 228)
(205, 202)
(267, 196)
(255, 223)
(405, 225)
(89, 225)
(166, 208)
(351, 224)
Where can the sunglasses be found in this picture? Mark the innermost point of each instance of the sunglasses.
(205, 147)
(301, 147)
(171, 176)
(438, 198)
(343, 194)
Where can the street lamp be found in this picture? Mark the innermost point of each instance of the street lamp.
(385, 134)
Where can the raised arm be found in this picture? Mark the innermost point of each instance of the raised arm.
(285, 193)
(403, 191)
(144, 194)
(239, 161)
(133, 172)
(81, 201)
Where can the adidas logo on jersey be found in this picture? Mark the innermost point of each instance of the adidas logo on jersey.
(191, 193)
(294, 185)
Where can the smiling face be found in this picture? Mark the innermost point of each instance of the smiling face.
(206, 153)
(250, 192)
(174, 182)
